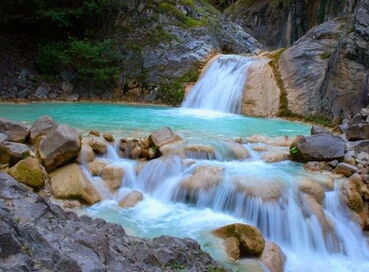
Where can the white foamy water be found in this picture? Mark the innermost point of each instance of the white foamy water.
(221, 86)
(170, 209)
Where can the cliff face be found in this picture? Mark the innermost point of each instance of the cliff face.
(159, 45)
(280, 23)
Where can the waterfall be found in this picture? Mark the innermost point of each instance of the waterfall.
(262, 194)
(221, 86)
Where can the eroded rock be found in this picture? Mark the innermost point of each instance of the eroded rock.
(16, 132)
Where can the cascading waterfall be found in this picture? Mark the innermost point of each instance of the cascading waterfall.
(247, 191)
(221, 86)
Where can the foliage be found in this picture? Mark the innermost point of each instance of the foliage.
(93, 62)
(172, 91)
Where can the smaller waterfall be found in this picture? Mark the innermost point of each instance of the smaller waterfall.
(221, 86)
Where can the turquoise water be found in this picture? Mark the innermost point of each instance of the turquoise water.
(133, 120)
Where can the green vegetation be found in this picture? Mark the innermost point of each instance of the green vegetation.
(326, 55)
(172, 91)
(95, 63)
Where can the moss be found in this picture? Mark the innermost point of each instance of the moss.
(284, 111)
(27, 174)
(172, 91)
(325, 55)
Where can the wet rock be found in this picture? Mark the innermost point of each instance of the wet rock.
(283, 141)
(44, 125)
(273, 257)
(276, 156)
(3, 137)
(11, 153)
(112, 176)
(251, 240)
(96, 166)
(237, 151)
(30, 172)
(232, 248)
(312, 188)
(164, 136)
(263, 189)
(321, 147)
(108, 137)
(197, 151)
(318, 130)
(94, 133)
(69, 182)
(131, 199)
(98, 145)
(59, 147)
(51, 239)
(16, 132)
(203, 178)
(86, 154)
(351, 196)
(346, 169)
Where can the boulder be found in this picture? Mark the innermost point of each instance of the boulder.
(108, 137)
(357, 132)
(94, 133)
(30, 172)
(97, 166)
(273, 257)
(131, 199)
(275, 156)
(198, 151)
(69, 182)
(251, 240)
(315, 208)
(163, 136)
(351, 196)
(236, 151)
(232, 248)
(11, 153)
(86, 154)
(98, 145)
(59, 147)
(318, 130)
(346, 169)
(203, 178)
(44, 125)
(112, 176)
(312, 188)
(321, 147)
(3, 137)
(16, 132)
(265, 189)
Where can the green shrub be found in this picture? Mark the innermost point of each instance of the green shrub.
(95, 63)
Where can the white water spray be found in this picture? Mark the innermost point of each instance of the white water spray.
(221, 86)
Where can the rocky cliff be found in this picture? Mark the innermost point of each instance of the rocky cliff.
(280, 23)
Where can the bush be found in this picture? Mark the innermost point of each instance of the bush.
(95, 63)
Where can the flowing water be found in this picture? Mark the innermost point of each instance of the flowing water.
(180, 201)
(221, 86)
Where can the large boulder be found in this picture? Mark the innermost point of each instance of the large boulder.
(164, 136)
(321, 147)
(44, 125)
(69, 182)
(16, 132)
(30, 172)
(273, 257)
(11, 153)
(131, 199)
(251, 240)
(59, 147)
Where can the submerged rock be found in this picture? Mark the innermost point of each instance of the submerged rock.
(59, 147)
(131, 199)
(203, 178)
(273, 257)
(321, 147)
(16, 132)
(69, 182)
(30, 172)
(250, 238)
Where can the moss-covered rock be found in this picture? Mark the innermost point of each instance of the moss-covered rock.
(30, 172)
